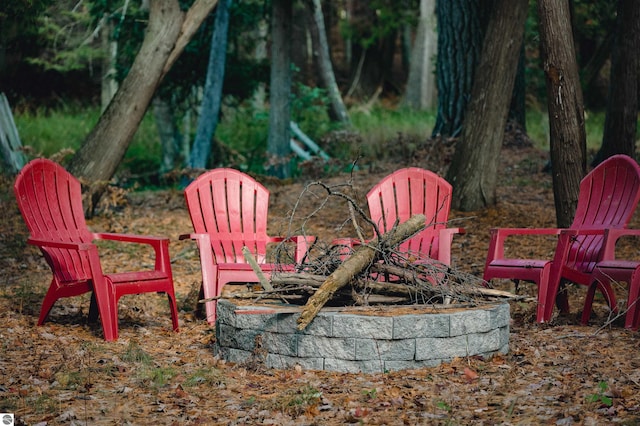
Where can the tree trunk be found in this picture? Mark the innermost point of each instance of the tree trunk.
(168, 133)
(460, 34)
(278, 148)
(109, 85)
(212, 98)
(421, 91)
(566, 108)
(474, 167)
(321, 51)
(168, 31)
(621, 121)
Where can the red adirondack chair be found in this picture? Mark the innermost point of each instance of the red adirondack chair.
(610, 269)
(229, 210)
(608, 198)
(50, 201)
(405, 193)
(410, 191)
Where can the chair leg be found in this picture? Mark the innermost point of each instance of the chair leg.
(174, 309)
(588, 302)
(632, 319)
(107, 307)
(543, 314)
(48, 302)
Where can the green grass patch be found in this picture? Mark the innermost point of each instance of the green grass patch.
(45, 133)
(134, 353)
(243, 131)
(379, 125)
(205, 376)
(538, 128)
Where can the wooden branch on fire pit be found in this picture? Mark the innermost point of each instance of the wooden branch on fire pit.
(362, 257)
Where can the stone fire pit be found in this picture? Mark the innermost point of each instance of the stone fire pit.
(369, 340)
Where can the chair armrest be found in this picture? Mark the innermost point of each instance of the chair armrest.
(129, 238)
(444, 243)
(499, 236)
(611, 237)
(303, 242)
(60, 244)
(160, 246)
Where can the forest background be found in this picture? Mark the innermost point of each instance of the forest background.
(61, 62)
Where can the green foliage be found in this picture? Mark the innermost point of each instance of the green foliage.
(599, 396)
(160, 376)
(309, 109)
(295, 402)
(538, 128)
(370, 393)
(442, 405)
(67, 31)
(134, 353)
(205, 376)
(381, 19)
(379, 125)
(19, 17)
(48, 132)
(243, 129)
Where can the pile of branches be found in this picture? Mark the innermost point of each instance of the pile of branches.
(373, 272)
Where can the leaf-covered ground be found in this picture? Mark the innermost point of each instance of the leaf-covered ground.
(64, 373)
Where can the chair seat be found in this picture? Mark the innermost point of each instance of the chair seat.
(520, 263)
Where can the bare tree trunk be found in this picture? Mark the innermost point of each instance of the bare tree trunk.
(421, 90)
(278, 148)
(109, 85)
(168, 31)
(321, 51)
(474, 167)
(168, 133)
(566, 107)
(212, 98)
(621, 121)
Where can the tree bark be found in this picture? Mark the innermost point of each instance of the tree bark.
(421, 91)
(321, 51)
(168, 31)
(279, 135)
(460, 35)
(168, 133)
(565, 105)
(212, 100)
(362, 257)
(474, 167)
(621, 120)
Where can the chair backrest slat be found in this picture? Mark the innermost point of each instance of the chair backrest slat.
(232, 208)
(408, 192)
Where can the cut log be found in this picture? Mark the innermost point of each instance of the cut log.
(362, 257)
